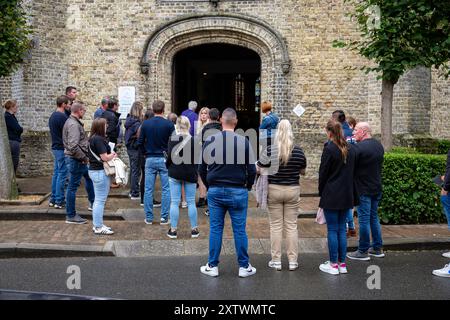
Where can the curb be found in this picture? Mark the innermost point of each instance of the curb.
(49, 214)
(195, 247)
(38, 250)
(43, 197)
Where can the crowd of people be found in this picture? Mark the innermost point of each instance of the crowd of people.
(203, 152)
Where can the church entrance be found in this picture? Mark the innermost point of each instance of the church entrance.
(219, 76)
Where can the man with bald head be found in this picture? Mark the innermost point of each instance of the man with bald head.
(369, 163)
(228, 171)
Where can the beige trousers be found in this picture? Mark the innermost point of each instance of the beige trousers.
(283, 204)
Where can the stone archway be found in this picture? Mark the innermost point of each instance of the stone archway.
(166, 41)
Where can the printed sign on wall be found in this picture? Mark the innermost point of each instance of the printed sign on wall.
(127, 96)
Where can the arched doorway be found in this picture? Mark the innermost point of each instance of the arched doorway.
(218, 75)
(161, 47)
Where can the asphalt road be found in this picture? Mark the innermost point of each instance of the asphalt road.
(403, 275)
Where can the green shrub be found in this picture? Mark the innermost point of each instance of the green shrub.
(409, 194)
(404, 150)
(443, 146)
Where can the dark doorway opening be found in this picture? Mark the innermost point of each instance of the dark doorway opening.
(219, 76)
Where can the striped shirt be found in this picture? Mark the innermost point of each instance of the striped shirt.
(287, 175)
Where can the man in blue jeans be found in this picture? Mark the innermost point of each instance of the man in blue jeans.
(228, 171)
(369, 163)
(76, 149)
(154, 136)
(56, 124)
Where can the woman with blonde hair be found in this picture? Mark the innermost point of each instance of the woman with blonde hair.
(203, 119)
(285, 162)
(336, 193)
(14, 131)
(132, 124)
(182, 171)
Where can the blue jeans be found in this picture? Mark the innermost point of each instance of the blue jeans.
(135, 172)
(445, 201)
(59, 177)
(154, 166)
(349, 219)
(337, 234)
(77, 170)
(175, 196)
(369, 223)
(101, 188)
(235, 201)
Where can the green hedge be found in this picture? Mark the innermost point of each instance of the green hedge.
(443, 146)
(409, 194)
(439, 147)
(403, 150)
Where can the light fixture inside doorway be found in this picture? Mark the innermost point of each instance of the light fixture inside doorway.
(214, 2)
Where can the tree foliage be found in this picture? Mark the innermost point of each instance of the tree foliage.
(14, 32)
(399, 35)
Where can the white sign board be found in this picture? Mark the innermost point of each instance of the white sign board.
(127, 96)
(299, 110)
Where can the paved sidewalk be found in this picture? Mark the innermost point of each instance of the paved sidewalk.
(40, 228)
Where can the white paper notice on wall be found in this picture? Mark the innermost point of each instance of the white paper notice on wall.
(299, 110)
(127, 96)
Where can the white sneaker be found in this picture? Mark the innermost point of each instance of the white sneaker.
(342, 267)
(293, 266)
(184, 205)
(93, 228)
(103, 230)
(446, 254)
(328, 268)
(275, 265)
(210, 271)
(444, 272)
(247, 272)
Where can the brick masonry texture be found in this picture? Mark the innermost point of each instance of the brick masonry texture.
(98, 45)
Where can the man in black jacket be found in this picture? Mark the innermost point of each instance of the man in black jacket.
(369, 163)
(213, 126)
(228, 170)
(112, 119)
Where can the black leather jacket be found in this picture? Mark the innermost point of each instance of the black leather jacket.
(112, 130)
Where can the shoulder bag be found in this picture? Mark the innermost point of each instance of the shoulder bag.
(108, 166)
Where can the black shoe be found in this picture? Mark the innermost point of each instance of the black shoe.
(201, 202)
(156, 204)
(195, 233)
(172, 234)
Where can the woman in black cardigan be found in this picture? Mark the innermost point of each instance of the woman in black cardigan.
(14, 131)
(336, 193)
